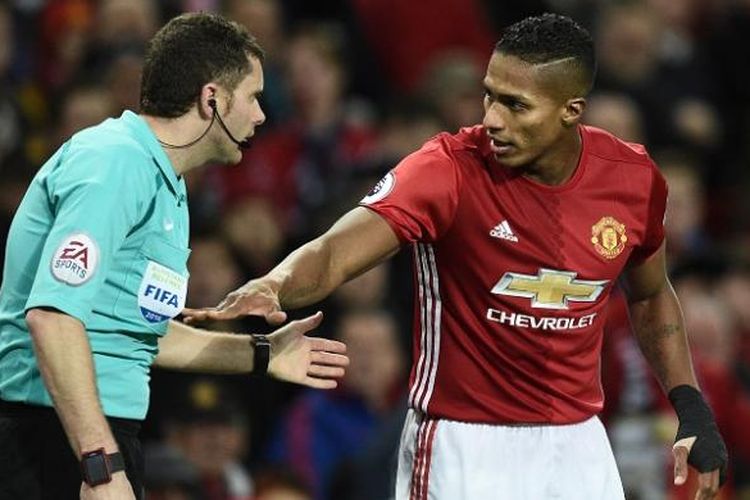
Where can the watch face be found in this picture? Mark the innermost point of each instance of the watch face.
(95, 468)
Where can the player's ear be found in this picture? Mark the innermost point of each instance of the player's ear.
(573, 111)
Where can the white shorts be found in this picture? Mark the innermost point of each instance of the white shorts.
(449, 460)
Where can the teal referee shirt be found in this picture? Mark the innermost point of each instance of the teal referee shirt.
(101, 235)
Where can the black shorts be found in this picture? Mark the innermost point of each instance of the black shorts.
(37, 462)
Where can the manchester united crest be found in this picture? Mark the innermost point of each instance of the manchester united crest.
(608, 237)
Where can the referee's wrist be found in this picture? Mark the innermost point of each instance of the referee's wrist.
(109, 445)
(261, 354)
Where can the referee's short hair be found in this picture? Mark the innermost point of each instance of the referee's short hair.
(188, 52)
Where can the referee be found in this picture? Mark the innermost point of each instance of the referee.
(95, 271)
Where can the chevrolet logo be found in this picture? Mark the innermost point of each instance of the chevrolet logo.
(549, 289)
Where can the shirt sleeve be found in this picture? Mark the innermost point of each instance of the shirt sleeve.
(654, 234)
(419, 197)
(94, 199)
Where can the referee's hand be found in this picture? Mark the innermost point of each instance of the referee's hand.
(311, 361)
(255, 298)
(117, 489)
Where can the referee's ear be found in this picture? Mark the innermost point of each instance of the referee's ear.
(207, 97)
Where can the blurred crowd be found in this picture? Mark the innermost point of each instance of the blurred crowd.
(351, 87)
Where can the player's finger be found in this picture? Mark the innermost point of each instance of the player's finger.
(324, 371)
(319, 344)
(275, 317)
(229, 308)
(680, 464)
(304, 325)
(708, 485)
(327, 358)
(190, 315)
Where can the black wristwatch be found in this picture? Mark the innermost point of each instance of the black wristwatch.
(97, 466)
(261, 354)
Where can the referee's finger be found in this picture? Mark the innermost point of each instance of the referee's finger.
(329, 358)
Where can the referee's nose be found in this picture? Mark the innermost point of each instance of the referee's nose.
(257, 116)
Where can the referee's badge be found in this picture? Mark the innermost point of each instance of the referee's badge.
(162, 293)
(75, 260)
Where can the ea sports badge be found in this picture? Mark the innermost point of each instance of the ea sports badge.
(382, 189)
(75, 260)
(162, 293)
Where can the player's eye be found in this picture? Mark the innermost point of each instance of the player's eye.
(516, 105)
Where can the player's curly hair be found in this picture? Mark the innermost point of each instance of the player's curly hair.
(187, 53)
(549, 38)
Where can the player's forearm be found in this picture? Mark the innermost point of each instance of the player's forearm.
(659, 328)
(184, 348)
(66, 364)
(357, 242)
(306, 276)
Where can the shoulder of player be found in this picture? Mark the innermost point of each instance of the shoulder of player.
(606, 146)
(447, 148)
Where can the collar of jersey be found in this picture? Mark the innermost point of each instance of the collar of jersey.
(157, 152)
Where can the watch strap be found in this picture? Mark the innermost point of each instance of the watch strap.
(116, 462)
(92, 475)
(261, 354)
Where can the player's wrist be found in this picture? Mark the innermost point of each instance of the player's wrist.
(696, 420)
(690, 405)
(273, 283)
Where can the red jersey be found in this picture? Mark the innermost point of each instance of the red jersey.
(512, 276)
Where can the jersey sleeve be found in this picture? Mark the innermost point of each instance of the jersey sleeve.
(419, 197)
(94, 199)
(654, 234)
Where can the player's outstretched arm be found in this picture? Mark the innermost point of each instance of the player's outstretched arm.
(659, 327)
(358, 241)
(295, 357)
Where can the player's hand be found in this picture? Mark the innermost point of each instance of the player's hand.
(256, 298)
(708, 482)
(310, 361)
(117, 489)
(698, 442)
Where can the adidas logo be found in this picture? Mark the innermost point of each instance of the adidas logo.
(504, 232)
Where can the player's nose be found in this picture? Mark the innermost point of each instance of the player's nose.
(493, 119)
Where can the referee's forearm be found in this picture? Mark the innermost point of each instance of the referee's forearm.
(64, 358)
(185, 348)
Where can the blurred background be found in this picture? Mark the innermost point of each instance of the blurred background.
(351, 87)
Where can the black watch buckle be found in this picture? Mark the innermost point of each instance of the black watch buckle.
(97, 466)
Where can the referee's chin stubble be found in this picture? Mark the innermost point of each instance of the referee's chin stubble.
(228, 153)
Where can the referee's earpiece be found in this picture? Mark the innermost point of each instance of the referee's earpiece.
(212, 103)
